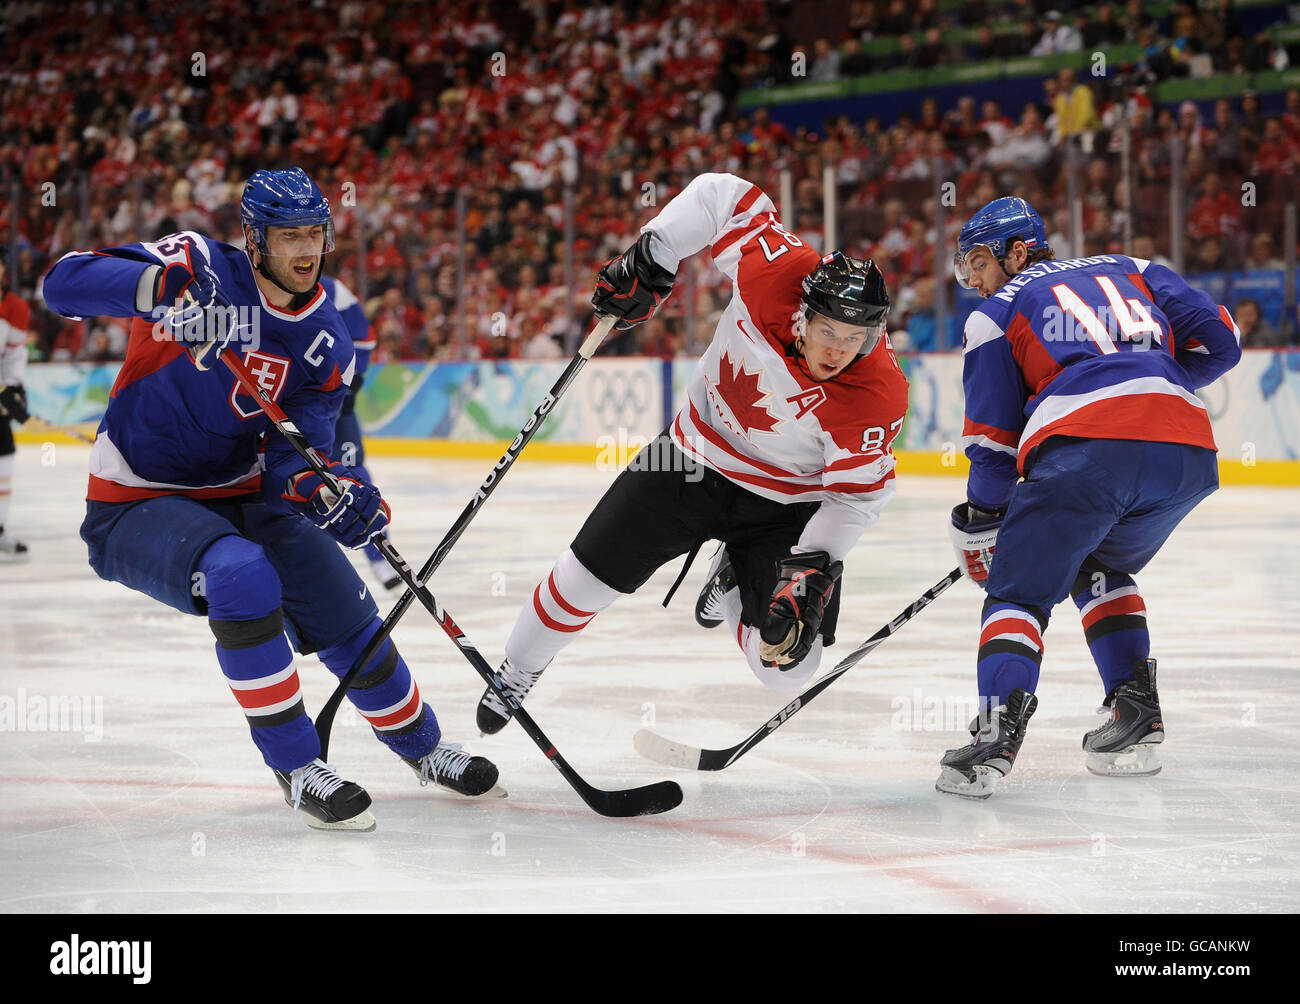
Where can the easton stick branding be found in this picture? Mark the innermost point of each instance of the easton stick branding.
(779, 719)
(508, 458)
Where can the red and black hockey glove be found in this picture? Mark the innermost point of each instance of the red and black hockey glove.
(974, 532)
(631, 287)
(13, 403)
(794, 615)
(352, 516)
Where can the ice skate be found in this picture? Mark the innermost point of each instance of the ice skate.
(451, 768)
(328, 801)
(1126, 746)
(973, 771)
(722, 579)
(492, 713)
(11, 551)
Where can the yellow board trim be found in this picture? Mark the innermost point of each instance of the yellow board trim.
(1282, 473)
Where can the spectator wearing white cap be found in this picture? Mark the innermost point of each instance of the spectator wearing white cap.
(1057, 37)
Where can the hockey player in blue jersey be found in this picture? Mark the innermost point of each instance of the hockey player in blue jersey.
(196, 500)
(347, 432)
(1080, 377)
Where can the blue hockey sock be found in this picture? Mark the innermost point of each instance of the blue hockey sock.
(1114, 622)
(386, 695)
(1011, 649)
(243, 595)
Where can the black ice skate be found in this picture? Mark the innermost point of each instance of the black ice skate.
(328, 801)
(11, 551)
(448, 767)
(722, 580)
(974, 770)
(1126, 745)
(492, 713)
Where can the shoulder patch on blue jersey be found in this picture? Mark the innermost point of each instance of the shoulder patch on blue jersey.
(980, 328)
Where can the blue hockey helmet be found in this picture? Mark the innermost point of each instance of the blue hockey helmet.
(997, 226)
(284, 198)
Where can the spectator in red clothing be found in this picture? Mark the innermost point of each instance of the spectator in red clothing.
(1277, 154)
(1216, 213)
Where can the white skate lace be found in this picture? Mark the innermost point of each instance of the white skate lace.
(317, 778)
(518, 681)
(446, 760)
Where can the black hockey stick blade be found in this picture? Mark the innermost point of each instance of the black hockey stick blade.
(647, 800)
(655, 747)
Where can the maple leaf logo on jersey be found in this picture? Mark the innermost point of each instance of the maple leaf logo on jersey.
(742, 395)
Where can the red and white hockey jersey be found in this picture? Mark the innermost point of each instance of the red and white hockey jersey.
(15, 317)
(753, 413)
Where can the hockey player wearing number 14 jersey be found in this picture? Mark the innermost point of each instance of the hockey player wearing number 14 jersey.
(781, 451)
(1080, 376)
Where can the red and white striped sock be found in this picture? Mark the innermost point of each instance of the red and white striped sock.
(563, 604)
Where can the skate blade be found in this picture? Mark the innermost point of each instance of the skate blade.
(1140, 760)
(496, 791)
(954, 782)
(362, 822)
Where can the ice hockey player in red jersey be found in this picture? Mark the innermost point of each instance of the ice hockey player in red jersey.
(1080, 377)
(781, 451)
(14, 319)
(197, 501)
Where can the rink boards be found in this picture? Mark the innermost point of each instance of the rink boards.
(470, 409)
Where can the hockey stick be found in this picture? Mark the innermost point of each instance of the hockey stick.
(35, 424)
(325, 720)
(656, 747)
(646, 800)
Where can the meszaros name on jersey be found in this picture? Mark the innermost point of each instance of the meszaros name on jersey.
(1106, 347)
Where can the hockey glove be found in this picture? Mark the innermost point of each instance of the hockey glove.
(13, 403)
(631, 287)
(187, 297)
(973, 533)
(794, 615)
(353, 515)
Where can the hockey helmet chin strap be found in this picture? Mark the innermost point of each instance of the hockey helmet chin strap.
(260, 268)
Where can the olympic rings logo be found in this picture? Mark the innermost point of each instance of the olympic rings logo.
(619, 396)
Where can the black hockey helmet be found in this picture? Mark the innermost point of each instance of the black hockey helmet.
(848, 289)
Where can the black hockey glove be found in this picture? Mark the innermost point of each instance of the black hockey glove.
(13, 403)
(631, 286)
(974, 532)
(794, 615)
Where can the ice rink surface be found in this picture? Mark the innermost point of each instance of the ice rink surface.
(160, 801)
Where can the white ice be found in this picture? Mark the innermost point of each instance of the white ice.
(173, 810)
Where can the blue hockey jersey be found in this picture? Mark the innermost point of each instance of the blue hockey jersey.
(349, 307)
(1108, 347)
(171, 428)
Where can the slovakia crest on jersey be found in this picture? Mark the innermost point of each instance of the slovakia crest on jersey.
(271, 373)
(737, 397)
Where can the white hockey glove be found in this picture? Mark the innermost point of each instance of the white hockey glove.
(974, 532)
